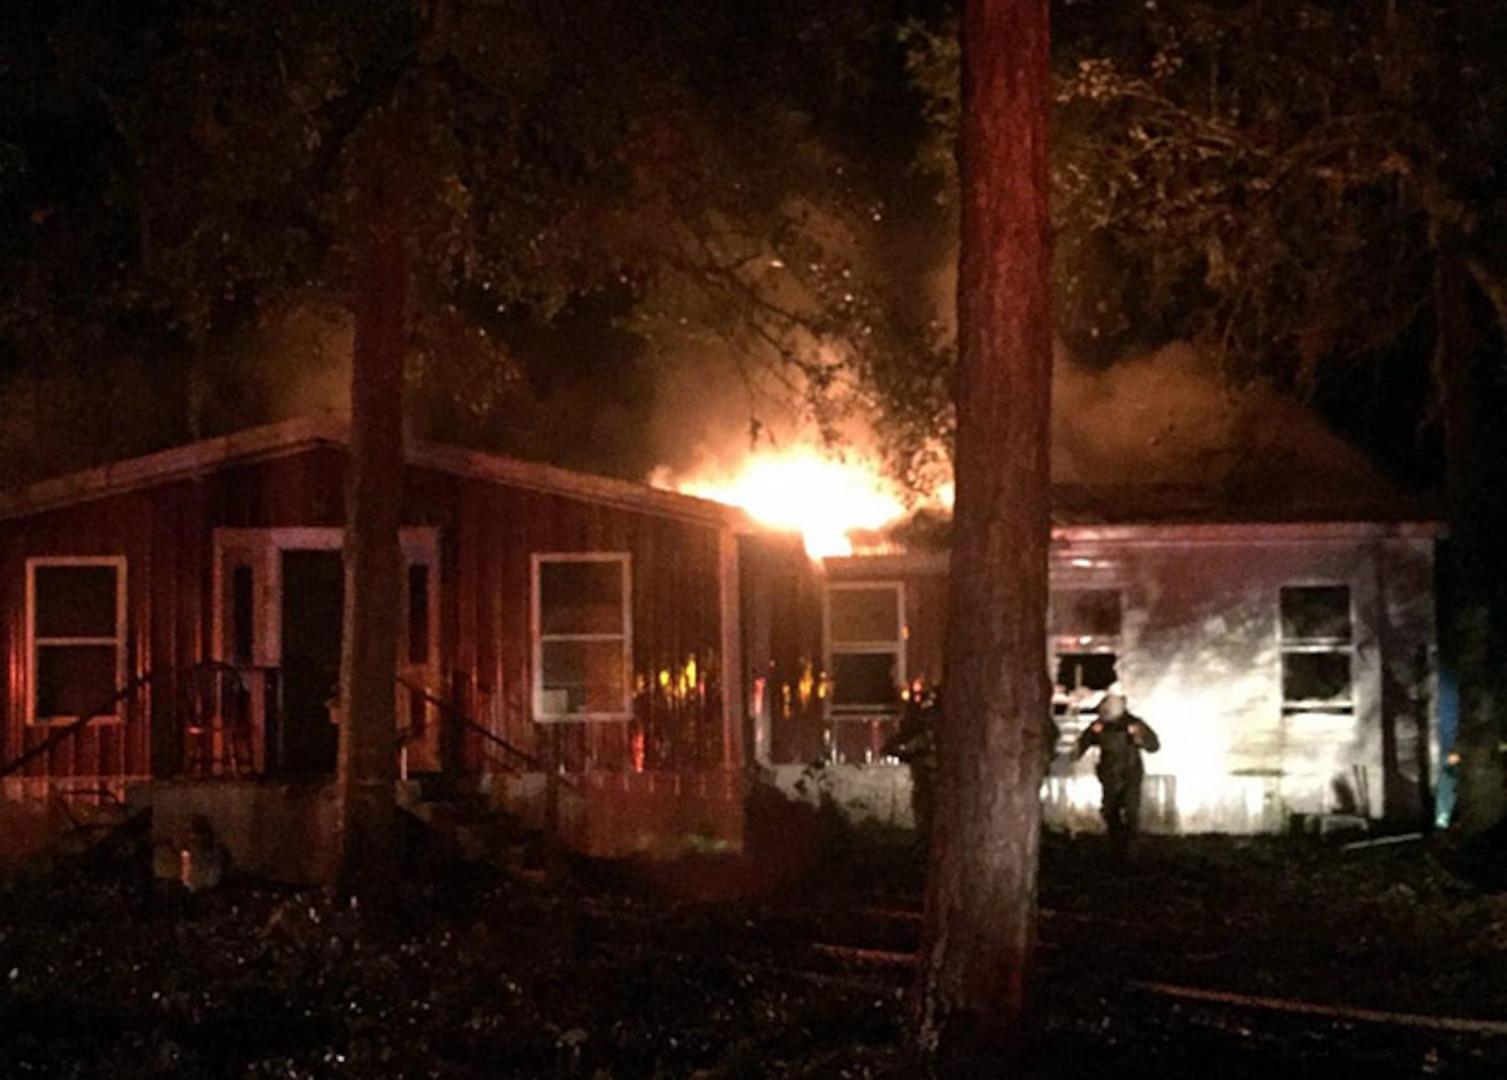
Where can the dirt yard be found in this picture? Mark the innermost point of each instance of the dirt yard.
(1329, 962)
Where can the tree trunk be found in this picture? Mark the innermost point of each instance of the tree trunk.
(1466, 631)
(980, 931)
(1473, 626)
(367, 771)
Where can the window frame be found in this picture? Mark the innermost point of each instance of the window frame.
(1063, 645)
(35, 642)
(895, 647)
(1309, 646)
(538, 638)
(1080, 642)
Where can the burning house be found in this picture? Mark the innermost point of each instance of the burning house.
(572, 645)
(1288, 668)
(616, 663)
(1262, 594)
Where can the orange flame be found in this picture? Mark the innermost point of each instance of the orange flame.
(804, 489)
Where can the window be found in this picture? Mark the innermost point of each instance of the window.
(866, 646)
(1085, 627)
(1081, 618)
(418, 614)
(1316, 637)
(583, 645)
(76, 627)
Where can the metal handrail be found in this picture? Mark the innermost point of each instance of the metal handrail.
(72, 728)
(454, 712)
(67, 731)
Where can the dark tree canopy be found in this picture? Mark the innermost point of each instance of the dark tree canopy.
(1272, 179)
(176, 176)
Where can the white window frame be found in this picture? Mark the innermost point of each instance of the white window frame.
(261, 550)
(1287, 646)
(35, 643)
(887, 647)
(624, 560)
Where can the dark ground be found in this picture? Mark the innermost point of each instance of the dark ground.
(638, 973)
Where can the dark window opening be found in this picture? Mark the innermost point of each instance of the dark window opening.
(75, 680)
(581, 597)
(1082, 677)
(77, 639)
(1316, 679)
(1316, 636)
(1086, 613)
(242, 615)
(418, 614)
(866, 647)
(75, 601)
(865, 681)
(1316, 613)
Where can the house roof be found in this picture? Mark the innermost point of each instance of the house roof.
(307, 432)
(1075, 506)
(1168, 437)
(1262, 499)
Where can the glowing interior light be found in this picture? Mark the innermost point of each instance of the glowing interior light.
(803, 489)
(1083, 563)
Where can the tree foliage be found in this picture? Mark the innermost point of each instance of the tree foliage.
(1270, 178)
(1270, 175)
(177, 174)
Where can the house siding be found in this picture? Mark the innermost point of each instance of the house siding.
(1199, 654)
(488, 530)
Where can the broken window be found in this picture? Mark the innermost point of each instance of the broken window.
(76, 625)
(1090, 672)
(1317, 641)
(866, 646)
(582, 637)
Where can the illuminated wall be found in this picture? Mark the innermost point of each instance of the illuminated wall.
(1261, 716)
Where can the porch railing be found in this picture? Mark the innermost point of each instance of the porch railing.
(63, 733)
(512, 758)
(230, 718)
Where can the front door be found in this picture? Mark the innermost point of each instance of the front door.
(313, 588)
(279, 607)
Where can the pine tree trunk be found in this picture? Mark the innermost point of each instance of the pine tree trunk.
(980, 930)
(1473, 626)
(367, 770)
(1466, 637)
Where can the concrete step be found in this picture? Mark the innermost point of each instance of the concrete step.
(470, 829)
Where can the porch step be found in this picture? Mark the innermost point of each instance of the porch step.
(94, 827)
(469, 828)
(431, 786)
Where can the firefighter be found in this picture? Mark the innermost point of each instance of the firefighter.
(915, 744)
(1120, 736)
